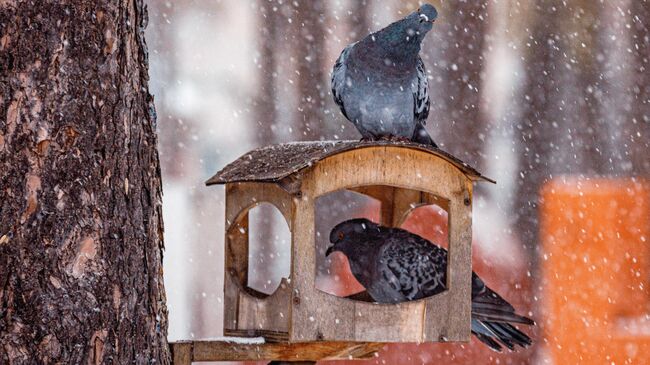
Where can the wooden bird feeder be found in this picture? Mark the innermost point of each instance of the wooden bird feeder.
(402, 176)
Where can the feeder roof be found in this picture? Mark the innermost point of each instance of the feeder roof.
(276, 162)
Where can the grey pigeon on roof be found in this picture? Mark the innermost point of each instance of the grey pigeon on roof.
(380, 82)
(395, 266)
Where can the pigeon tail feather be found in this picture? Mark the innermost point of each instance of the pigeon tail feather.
(422, 136)
(495, 334)
(492, 317)
(493, 345)
(490, 306)
(500, 316)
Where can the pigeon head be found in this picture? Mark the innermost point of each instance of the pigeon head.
(405, 36)
(417, 24)
(426, 16)
(346, 236)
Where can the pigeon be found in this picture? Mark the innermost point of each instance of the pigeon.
(395, 266)
(380, 82)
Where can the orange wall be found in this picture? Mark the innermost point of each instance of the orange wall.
(595, 262)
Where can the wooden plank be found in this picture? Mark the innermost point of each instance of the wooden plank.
(271, 313)
(454, 324)
(389, 322)
(235, 253)
(315, 315)
(385, 196)
(429, 198)
(404, 201)
(269, 336)
(305, 351)
(181, 353)
(245, 308)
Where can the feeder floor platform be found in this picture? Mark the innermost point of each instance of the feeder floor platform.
(255, 349)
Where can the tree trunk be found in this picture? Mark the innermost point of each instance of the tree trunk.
(591, 125)
(265, 123)
(359, 22)
(535, 132)
(81, 225)
(312, 85)
(639, 123)
(266, 117)
(462, 125)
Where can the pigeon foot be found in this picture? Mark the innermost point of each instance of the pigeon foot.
(395, 139)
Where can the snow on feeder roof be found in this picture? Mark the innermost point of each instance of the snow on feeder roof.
(276, 162)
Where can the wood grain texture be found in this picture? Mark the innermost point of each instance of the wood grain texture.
(385, 196)
(454, 324)
(245, 308)
(270, 313)
(309, 351)
(315, 315)
(404, 201)
(182, 353)
(81, 231)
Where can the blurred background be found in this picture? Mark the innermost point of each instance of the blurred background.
(550, 98)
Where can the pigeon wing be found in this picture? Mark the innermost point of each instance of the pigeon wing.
(420, 88)
(421, 105)
(418, 266)
(339, 78)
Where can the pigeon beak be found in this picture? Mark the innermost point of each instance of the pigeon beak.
(329, 251)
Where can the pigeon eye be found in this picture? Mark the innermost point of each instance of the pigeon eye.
(341, 235)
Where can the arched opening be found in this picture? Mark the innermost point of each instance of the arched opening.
(258, 252)
(269, 248)
(418, 212)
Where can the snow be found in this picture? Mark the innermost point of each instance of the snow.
(527, 95)
(232, 339)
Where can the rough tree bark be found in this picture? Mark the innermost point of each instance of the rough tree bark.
(81, 225)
